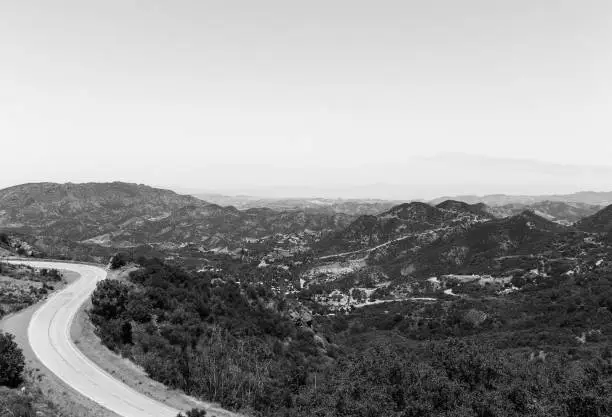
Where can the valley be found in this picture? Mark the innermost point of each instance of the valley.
(269, 312)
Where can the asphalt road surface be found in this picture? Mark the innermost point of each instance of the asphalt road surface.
(49, 337)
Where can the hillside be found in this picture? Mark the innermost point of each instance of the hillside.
(599, 222)
(510, 316)
(91, 219)
(453, 245)
(80, 211)
(354, 207)
(476, 249)
(17, 245)
(560, 212)
(466, 250)
(210, 226)
(403, 221)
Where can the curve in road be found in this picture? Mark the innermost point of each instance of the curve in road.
(49, 337)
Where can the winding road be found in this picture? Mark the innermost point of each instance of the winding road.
(49, 337)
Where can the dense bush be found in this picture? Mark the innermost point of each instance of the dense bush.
(118, 260)
(51, 274)
(213, 338)
(455, 378)
(12, 361)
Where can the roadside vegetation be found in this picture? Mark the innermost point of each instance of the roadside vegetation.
(18, 398)
(22, 286)
(194, 413)
(542, 351)
(211, 337)
(12, 362)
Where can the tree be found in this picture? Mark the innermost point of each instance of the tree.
(12, 361)
(109, 299)
(117, 261)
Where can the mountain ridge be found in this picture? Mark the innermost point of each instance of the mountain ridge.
(587, 197)
(122, 215)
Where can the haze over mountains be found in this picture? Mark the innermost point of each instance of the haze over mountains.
(568, 208)
(348, 206)
(583, 197)
(417, 178)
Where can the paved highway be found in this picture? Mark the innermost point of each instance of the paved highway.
(49, 337)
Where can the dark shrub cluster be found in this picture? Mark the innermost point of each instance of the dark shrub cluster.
(12, 361)
(208, 336)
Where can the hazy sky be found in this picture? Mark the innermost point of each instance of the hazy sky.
(238, 94)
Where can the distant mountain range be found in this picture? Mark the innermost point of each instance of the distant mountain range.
(423, 177)
(556, 211)
(582, 197)
(316, 205)
(95, 219)
(565, 209)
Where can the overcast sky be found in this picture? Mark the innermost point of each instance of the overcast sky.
(229, 95)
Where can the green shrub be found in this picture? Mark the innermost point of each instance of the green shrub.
(12, 361)
(117, 261)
